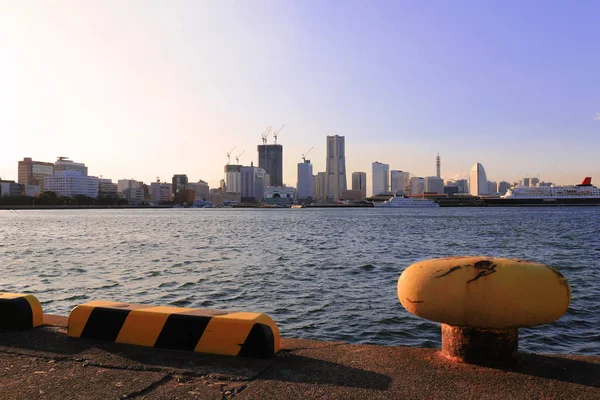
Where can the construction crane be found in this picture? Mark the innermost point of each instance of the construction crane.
(305, 154)
(229, 155)
(237, 159)
(266, 133)
(276, 133)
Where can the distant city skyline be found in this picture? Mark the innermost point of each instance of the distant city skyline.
(157, 90)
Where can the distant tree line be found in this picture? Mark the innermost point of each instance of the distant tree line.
(49, 198)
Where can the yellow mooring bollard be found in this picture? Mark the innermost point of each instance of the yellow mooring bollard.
(482, 301)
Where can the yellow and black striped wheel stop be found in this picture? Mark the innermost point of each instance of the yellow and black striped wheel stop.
(20, 311)
(241, 334)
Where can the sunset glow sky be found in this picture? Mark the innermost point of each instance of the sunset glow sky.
(140, 89)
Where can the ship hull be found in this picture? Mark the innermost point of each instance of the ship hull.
(499, 202)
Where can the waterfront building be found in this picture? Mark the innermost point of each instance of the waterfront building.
(417, 186)
(179, 183)
(352, 195)
(270, 159)
(463, 185)
(321, 194)
(433, 184)
(526, 182)
(305, 180)
(438, 166)
(71, 182)
(253, 183)
(451, 189)
(359, 183)
(535, 181)
(335, 178)
(221, 198)
(10, 188)
(161, 192)
(124, 184)
(33, 172)
(492, 187)
(64, 164)
(400, 182)
(545, 183)
(107, 187)
(478, 180)
(233, 178)
(200, 188)
(134, 195)
(279, 195)
(503, 186)
(380, 178)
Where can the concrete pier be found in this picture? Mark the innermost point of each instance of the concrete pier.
(43, 363)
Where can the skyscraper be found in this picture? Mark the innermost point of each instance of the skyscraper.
(305, 176)
(400, 181)
(270, 158)
(380, 178)
(359, 182)
(438, 166)
(335, 167)
(478, 180)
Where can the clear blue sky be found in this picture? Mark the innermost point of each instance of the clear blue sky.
(139, 89)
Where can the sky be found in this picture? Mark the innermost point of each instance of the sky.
(145, 89)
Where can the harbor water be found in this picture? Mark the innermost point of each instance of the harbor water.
(326, 274)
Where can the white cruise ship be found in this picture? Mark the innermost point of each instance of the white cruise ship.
(583, 194)
(407, 202)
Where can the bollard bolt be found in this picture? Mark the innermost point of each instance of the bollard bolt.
(482, 301)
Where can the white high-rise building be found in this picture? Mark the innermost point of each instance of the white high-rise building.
(433, 184)
(70, 183)
(253, 183)
(400, 181)
(417, 186)
(321, 189)
(478, 180)
(233, 178)
(463, 185)
(305, 180)
(492, 187)
(380, 182)
(335, 178)
(359, 182)
(161, 192)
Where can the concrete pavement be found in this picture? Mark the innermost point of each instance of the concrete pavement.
(44, 363)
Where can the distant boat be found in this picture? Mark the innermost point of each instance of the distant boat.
(407, 202)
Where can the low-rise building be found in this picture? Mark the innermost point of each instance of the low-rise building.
(134, 195)
(200, 189)
(353, 195)
(161, 192)
(69, 183)
(10, 188)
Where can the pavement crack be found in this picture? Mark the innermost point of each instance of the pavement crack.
(149, 388)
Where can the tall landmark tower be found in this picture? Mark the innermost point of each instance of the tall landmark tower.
(335, 178)
(438, 166)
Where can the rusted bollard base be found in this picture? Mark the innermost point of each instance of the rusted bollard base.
(480, 346)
